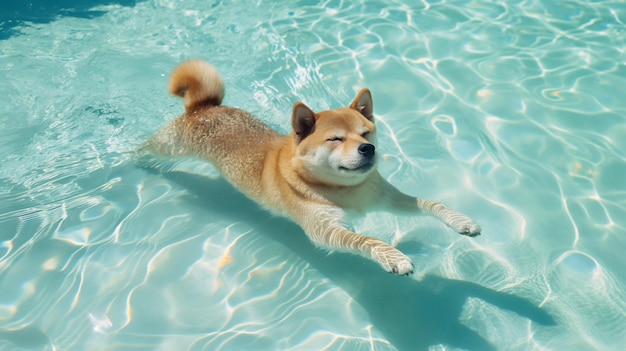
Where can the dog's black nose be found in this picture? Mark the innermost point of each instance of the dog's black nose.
(367, 150)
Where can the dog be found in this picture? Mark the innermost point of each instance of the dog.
(324, 167)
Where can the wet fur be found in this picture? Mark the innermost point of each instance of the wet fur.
(326, 165)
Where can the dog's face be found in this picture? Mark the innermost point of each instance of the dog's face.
(336, 147)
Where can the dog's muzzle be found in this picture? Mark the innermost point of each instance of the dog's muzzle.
(367, 161)
(367, 150)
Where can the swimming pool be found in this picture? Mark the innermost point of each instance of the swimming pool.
(510, 112)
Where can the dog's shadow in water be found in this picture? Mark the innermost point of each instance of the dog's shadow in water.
(411, 314)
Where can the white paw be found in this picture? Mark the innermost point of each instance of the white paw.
(464, 225)
(393, 261)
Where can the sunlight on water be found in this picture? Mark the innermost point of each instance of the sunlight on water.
(511, 113)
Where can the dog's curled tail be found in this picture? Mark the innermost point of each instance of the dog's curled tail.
(198, 83)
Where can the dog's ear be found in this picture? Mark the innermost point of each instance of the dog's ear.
(364, 104)
(302, 120)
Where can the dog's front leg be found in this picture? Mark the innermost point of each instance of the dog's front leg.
(453, 219)
(324, 226)
(461, 223)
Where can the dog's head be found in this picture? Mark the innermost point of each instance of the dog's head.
(336, 147)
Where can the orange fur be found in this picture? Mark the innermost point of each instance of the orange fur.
(326, 165)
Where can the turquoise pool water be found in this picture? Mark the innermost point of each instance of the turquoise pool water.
(512, 112)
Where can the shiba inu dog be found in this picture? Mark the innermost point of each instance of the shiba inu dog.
(325, 166)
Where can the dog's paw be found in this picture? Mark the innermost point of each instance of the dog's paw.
(465, 226)
(404, 267)
(393, 261)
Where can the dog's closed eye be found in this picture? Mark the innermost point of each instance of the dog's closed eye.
(340, 139)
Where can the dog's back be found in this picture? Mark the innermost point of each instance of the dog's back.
(234, 141)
